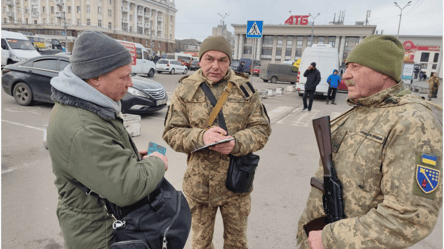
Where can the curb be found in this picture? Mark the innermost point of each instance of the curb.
(271, 92)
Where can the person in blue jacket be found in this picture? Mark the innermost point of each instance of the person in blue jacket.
(333, 82)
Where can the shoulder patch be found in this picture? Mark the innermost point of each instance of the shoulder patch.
(184, 77)
(427, 175)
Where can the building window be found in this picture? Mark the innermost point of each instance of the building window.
(88, 22)
(44, 20)
(287, 52)
(43, 9)
(266, 53)
(52, 9)
(26, 20)
(289, 41)
(423, 65)
(131, 7)
(78, 22)
(78, 9)
(300, 39)
(130, 28)
(26, 10)
(278, 53)
(35, 21)
(332, 41)
(68, 22)
(247, 50)
(110, 12)
(109, 25)
(435, 59)
(110, 1)
(99, 10)
(434, 66)
(99, 23)
(268, 40)
(248, 41)
(321, 40)
(351, 41)
(425, 57)
(280, 40)
(152, 43)
(298, 52)
(87, 9)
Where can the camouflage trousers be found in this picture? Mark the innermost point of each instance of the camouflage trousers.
(235, 218)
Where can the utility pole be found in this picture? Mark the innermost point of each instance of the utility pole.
(367, 16)
(400, 16)
(66, 33)
(312, 27)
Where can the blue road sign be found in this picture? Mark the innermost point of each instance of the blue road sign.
(254, 29)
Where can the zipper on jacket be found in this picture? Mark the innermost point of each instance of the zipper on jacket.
(179, 200)
(125, 242)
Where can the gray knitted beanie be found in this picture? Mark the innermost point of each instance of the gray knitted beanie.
(95, 54)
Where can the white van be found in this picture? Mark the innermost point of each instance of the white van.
(16, 47)
(326, 58)
(142, 59)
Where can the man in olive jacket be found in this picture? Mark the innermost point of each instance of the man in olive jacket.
(88, 143)
(387, 152)
(185, 130)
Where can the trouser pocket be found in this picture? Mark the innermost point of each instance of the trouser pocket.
(130, 244)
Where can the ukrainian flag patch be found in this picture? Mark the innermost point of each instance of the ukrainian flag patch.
(429, 159)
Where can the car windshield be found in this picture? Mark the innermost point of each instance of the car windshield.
(162, 62)
(20, 44)
(257, 67)
(235, 63)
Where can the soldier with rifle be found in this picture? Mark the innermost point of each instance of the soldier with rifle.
(379, 181)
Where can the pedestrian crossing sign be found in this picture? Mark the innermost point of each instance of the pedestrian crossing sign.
(254, 29)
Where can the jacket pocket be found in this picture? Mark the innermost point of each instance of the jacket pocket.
(130, 244)
(198, 112)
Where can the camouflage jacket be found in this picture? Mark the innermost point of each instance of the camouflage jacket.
(185, 123)
(432, 81)
(387, 151)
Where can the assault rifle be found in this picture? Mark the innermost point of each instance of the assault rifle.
(331, 186)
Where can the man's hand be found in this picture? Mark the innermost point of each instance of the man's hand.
(310, 67)
(215, 134)
(157, 154)
(315, 240)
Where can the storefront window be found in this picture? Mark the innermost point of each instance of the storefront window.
(423, 65)
(425, 57)
(435, 59)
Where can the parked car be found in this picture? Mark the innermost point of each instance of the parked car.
(342, 87)
(279, 72)
(170, 66)
(29, 81)
(249, 63)
(195, 65)
(256, 70)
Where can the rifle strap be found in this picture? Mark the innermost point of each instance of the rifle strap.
(218, 105)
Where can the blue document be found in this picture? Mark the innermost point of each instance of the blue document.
(152, 147)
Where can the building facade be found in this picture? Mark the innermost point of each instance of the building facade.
(188, 45)
(281, 43)
(148, 22)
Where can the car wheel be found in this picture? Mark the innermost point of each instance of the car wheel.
(301, 94)
(151, 73)
(22, 94)
(292, 83)
(265, 80)
(274, 79)
(185, 71)
(172, 71)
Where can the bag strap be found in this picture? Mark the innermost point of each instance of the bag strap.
(86, 189)
(217, 106)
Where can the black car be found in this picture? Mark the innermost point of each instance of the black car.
(29, 81)
(194, 65)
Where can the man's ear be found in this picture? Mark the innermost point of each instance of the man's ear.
(94, 82)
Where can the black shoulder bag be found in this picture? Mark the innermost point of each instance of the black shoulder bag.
(241, 171)
(162, 220)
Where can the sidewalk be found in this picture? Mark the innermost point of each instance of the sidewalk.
(425, 92)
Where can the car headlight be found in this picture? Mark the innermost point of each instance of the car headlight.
(136, 92)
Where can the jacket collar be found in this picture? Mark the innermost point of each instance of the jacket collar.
(106, 113)
(386, 96)
(197, 78)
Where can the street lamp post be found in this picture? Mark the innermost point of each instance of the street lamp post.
(66, 33)
(399, 26)
(223, 17)
(312, 27)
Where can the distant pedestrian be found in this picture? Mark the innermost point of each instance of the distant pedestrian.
(333, 82)
(313, 78)
(240, 68)
(156, 58)
(433, 86)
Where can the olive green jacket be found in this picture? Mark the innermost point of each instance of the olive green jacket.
(98, 152)
(377, 152)
(185, 124)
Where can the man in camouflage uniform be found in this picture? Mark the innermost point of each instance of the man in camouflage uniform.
(387, 151)
(185, 130)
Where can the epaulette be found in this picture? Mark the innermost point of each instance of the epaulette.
(245, 90)
(184, 77)
(244, 75)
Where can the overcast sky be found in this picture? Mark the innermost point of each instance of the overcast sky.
(196, 18)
